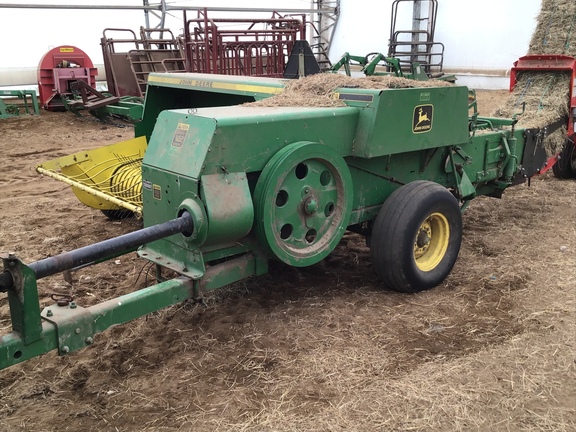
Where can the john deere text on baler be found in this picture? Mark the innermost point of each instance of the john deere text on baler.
(225, 189)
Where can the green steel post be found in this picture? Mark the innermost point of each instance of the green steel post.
(34, 98)
(512, 159)
(23, 300)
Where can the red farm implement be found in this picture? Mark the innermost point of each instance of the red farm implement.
(129, 58)
(249, 47)
(58, 69)
(564, 163)
(227, 46)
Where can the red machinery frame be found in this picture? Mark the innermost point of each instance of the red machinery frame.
(57, 69)
(249, 47)
(129, 59)
(545, 63)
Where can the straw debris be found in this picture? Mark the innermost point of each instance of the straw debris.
(319, 90)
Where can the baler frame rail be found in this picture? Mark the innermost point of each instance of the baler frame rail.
(65, 325)
(28, 103)
(372, 64)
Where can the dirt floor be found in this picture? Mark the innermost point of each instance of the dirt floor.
(324, 348)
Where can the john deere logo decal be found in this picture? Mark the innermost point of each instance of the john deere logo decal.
(422, 121)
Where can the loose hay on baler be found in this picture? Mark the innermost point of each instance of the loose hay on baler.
(229, 185)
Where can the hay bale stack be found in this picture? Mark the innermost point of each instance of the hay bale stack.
(555, 29)
(318, 90)
(546, 94)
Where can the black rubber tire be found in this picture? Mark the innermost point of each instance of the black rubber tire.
(394, 235)
(572, 159)
(117, 214)
(564, 166)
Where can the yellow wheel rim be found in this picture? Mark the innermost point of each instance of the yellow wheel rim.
(431, 242)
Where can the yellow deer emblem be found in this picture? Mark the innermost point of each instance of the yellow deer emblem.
(422, 117)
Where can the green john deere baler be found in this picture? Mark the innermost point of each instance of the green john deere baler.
(224, 188)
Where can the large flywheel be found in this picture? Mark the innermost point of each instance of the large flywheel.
(303, 201)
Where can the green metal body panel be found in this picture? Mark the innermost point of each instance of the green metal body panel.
(189, 91)
(405, 120)
(228, 219)
(205, 159)
(131, 110)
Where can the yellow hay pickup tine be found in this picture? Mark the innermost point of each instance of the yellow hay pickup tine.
(90, 174)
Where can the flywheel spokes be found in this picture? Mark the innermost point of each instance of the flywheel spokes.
(303, 203)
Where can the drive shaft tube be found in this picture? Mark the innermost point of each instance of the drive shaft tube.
(104, 249)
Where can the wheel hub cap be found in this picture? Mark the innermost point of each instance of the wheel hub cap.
(431, 242)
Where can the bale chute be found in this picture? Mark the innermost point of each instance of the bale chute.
(542, 84)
